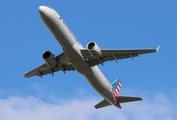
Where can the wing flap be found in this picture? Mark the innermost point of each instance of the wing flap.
(111, 54)
(45, 69)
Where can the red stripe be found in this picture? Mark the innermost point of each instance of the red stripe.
(119, 84)
(118, 87)
(116, 94)
(118, 90)
(116, 98)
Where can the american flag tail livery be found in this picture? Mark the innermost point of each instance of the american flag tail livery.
(116, 87)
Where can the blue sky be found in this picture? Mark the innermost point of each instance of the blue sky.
(116, 24)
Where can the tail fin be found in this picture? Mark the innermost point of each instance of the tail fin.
(121, 99)
(116, 87)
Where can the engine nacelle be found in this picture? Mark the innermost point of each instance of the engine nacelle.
(49, 59)
(94, 50)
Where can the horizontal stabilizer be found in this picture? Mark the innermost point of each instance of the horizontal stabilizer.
(123, 99)
(103, 103)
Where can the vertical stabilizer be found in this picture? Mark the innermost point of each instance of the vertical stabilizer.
(116, 87)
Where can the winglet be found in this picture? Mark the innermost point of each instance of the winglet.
(157, 49)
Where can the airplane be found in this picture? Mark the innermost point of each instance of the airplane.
(83, 60)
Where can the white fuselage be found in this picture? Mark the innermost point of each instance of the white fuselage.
(72, 50)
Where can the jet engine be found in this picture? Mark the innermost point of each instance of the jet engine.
(49, 59)
(94, 50)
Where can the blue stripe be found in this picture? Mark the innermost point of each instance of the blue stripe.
(115, 83)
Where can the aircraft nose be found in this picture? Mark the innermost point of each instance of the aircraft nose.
(41, 9)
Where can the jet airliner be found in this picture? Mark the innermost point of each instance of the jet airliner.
(83, 60)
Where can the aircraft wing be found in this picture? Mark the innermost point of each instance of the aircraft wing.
(111, 54)
(45, 69)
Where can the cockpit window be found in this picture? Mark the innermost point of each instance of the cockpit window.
(50, 7)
